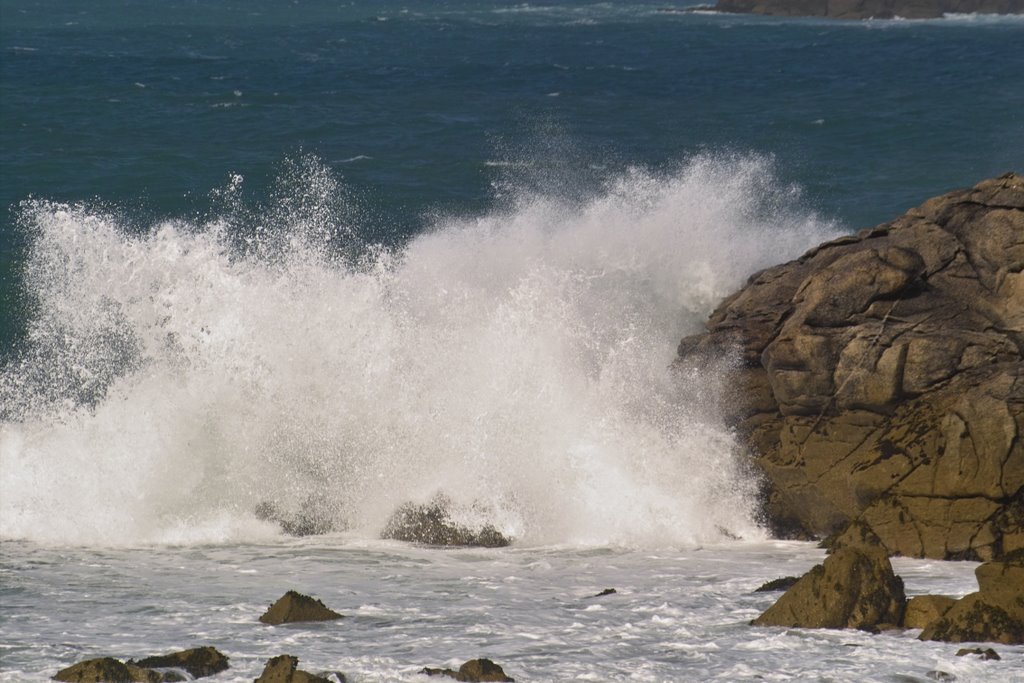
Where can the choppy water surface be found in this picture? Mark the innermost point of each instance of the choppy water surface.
(677, 615)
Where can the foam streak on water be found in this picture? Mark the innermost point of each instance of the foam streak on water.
(180, 374)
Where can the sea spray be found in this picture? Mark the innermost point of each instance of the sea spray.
(177, 377)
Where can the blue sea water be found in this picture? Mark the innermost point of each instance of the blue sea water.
(342, 256)
(435, 107)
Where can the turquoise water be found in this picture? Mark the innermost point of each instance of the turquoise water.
(446, 107)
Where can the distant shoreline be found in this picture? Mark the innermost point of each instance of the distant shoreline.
(863, 9)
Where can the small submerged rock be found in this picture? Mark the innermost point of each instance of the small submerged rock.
(294, 607)
(310, 520)
(606, 591)
(431, 524)
(987, 654)
(473, 670)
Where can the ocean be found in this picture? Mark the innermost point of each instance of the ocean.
(338, 257)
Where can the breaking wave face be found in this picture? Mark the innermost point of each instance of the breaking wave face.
(177, 376)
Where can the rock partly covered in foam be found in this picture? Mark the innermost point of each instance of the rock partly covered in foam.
(294, 607)
(197, 663)
(473, 670)
(880, 377)
(853, 588)
(870, 9)
(431, 524)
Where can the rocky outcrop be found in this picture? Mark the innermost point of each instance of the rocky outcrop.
(870, 9)
(312, 518)
(473, 670)
(431, 524)
(110, 670)
(995, 613)
(853, 588)
(285, 669)
(880, 378)
(197, 662)
(293, 607)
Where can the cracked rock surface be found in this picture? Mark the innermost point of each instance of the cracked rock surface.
(880, 378)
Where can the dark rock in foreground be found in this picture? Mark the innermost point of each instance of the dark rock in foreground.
(198, 662)
(853, 588)
(473, 670)
(987, 653)
(294, 607)
(109, 670)
(285, 669)
(870, 9)
(880, 377)
(431, 524)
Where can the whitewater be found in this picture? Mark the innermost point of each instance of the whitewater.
(519, 362)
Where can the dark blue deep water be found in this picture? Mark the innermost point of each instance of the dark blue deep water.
(426, 108)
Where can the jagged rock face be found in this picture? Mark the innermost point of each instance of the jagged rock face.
(867, 9)
(294, 607)
(880, 377)
(853, 588)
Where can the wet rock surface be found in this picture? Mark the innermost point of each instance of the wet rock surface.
(432, 524)
(295, 607)
(993, 614)
(197, 662)
(880, 378)
(853, 588)
(285, 669)
(473, 670)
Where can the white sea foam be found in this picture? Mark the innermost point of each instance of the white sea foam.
(518, 362)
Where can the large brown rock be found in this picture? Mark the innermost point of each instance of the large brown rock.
(853, 588)
(110, 670)
(995, 613)
(867, 9)
(198, 661)
(292, 607)
(880, 377)
(923, 610)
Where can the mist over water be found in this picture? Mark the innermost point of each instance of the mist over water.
(177, 375)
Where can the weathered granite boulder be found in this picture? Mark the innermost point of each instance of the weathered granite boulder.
(292, 607)
(880, 377)
(926, 609)
(197, 662)
(285, 669)
(110, 670)
(870, 9)
(473, 670)
(431, 524)
(853, 588)
(995, 613)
